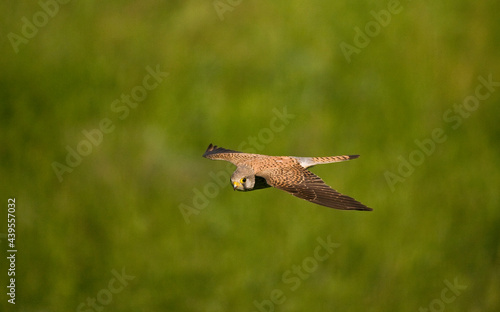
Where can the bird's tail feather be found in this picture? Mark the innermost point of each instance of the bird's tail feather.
(307, 162)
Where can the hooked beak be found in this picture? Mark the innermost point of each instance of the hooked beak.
(236, 184)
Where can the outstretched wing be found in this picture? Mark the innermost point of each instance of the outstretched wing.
(219, 153)
(304, 184)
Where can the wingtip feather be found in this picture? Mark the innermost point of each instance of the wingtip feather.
(210, 148)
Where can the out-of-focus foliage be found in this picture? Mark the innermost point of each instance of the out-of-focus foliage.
(397, 82)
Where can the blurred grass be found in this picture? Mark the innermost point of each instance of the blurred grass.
(120, 207)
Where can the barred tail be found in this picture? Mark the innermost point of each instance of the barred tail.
(307, 162)
(332, 159)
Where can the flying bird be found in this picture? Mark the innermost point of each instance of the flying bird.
(287, 173)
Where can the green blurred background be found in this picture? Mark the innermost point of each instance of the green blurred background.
(230, 68)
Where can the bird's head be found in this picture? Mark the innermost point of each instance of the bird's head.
(243, 179)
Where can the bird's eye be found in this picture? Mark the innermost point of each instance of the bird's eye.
(243, 180)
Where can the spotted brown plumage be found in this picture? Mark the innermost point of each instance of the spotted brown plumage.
(287, 173)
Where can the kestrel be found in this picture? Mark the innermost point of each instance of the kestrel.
(287, 173)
